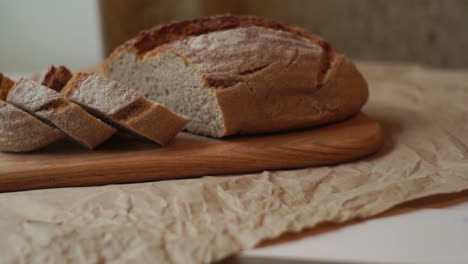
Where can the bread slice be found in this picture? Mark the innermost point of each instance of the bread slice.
(5, 86)
(56, 77)
(240, 75)
(51, 106)
(120, 105)
(20, 131)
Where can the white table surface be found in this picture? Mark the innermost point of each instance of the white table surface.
(422, 236)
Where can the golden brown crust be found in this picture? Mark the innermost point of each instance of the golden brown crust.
(342, 94)
(229, 58)
(156, 120)
(347, 82)
(21, 132)
(278, 77)
(81, 126)
(51, 107)
(56, 78)
(74, 83)
(153, 38)
(5, 85)
(124, 107)
(136, 108)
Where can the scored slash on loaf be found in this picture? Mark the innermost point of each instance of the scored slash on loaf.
(123, 107)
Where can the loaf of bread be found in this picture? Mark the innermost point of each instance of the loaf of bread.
(20, 131)
(240, 75)
(50, 106)
(123, 107)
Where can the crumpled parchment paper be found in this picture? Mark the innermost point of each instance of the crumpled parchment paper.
(424, 112)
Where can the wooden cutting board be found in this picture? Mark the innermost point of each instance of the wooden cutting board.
(125, 159)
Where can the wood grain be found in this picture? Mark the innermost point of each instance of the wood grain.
(126, 159)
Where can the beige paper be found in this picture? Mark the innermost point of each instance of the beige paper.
(425, 113)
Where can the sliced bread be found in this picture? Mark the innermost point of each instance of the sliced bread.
(5, 86)
(51, 106)
(20, 131)
(56, 77)
(240, 75)
(120, 105)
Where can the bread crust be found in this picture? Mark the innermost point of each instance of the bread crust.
(56, 77)
(152, 39)
(268, 76)
(5, 86)
(163, 34)
(124, 107)
(20, 131)
(50, 106)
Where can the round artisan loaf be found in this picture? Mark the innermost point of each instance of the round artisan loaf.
(240, 75)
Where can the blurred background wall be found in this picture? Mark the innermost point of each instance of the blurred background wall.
(430, 32)
(34, 34)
